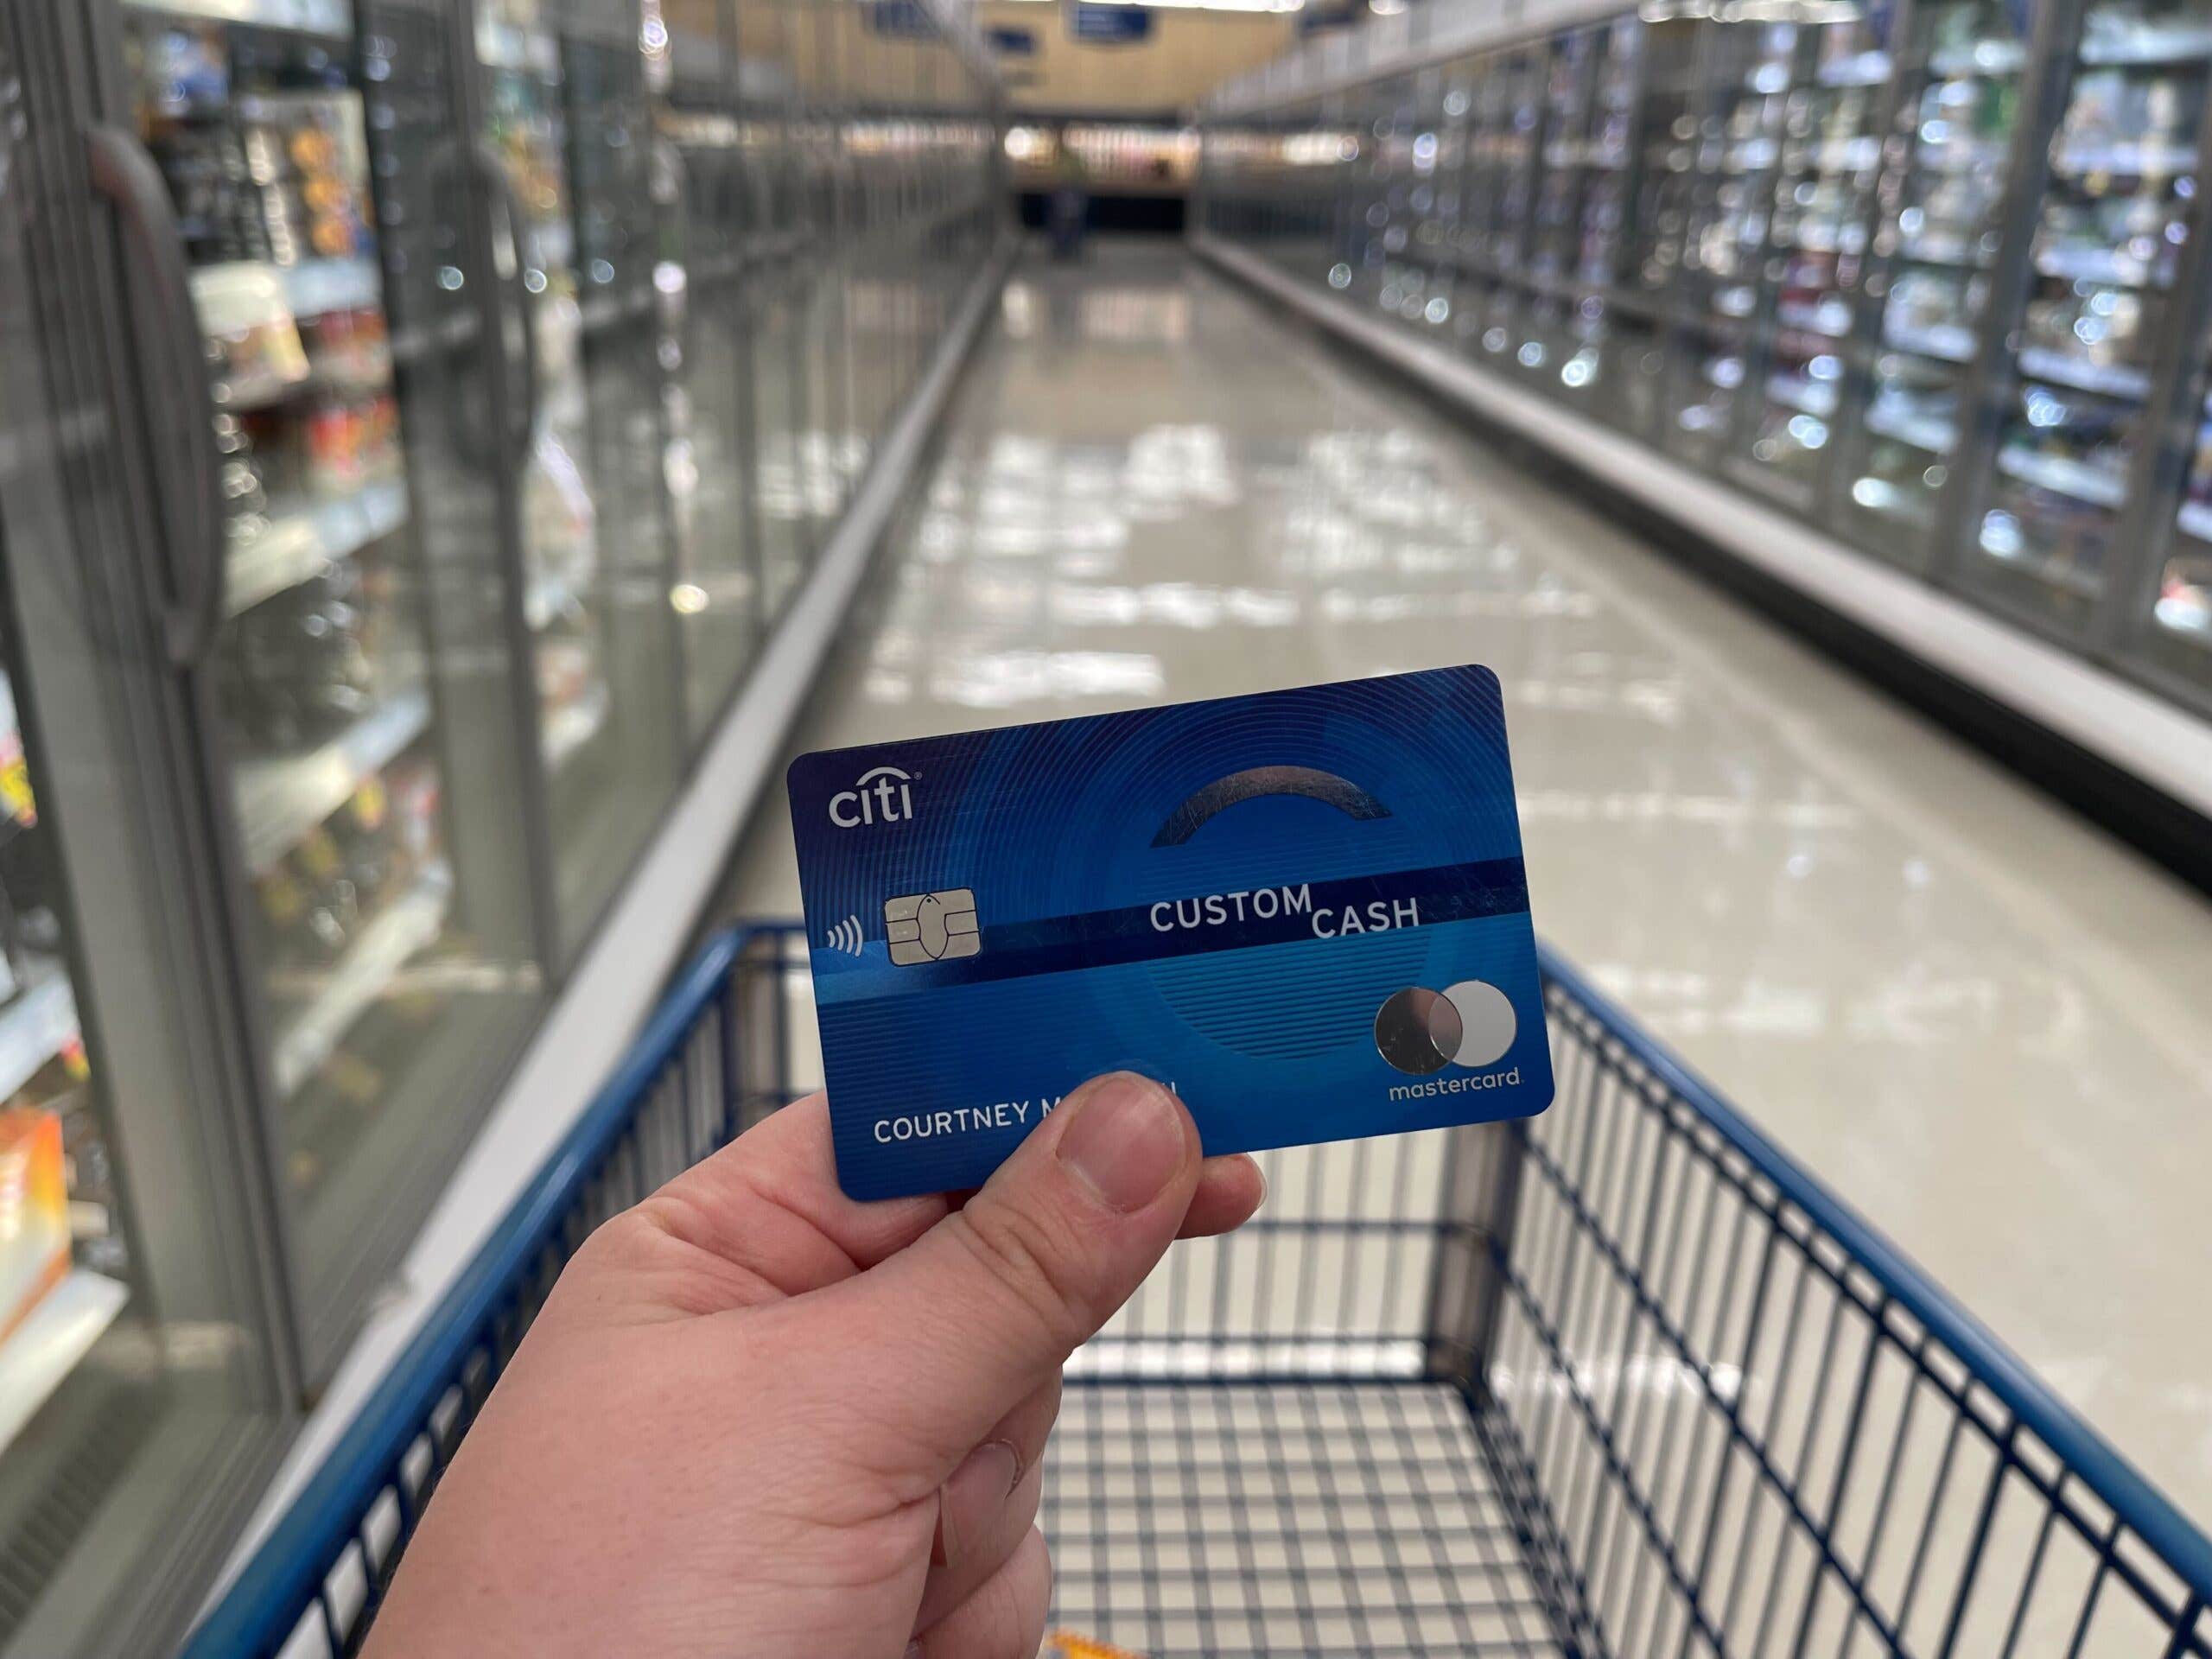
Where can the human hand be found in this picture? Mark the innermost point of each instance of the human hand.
(755, 1418)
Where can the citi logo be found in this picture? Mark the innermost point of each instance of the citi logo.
(880, 796)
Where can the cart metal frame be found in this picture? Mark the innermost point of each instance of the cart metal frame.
(1623, 1379)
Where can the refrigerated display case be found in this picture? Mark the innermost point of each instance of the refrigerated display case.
(369, 791)
(823, 456)
(1383, 115)
(1510, 134)
(1593, 143)
(701, 278)
(1719, 291)
(1924, 275)
(143, 1373)
(381, 452)
(1663, 150)
(1918, 315)
(2120, 188)
(2163, 611)
(768, 92)
(1834, 114)
(1541, 339)
(566, 120)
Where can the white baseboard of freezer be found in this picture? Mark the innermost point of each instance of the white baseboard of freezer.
(2163, 744)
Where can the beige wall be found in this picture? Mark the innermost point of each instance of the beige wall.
(1187, 54)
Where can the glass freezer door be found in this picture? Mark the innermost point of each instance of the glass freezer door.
(1539, 342)
(1664, 149)
(1739, 138)
(564, 115)
(2171, 637)
(141, 1390)
(768, 94)
(1833, 119)
(1603, 153)
(1917, 322)
(701, 187)
(359, 684)
(826, 459)
(2114, 217)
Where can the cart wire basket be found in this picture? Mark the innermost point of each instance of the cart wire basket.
(1623, 1379)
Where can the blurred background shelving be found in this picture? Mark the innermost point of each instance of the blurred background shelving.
(1928, 278)
(498, 372)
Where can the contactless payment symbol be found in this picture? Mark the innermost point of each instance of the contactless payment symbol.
(931, 926)
(1468, 1024)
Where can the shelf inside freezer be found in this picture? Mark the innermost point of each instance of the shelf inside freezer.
(59, 1331)
(331, 17)
(2076, 262)
(1848, 154)
(1953, 153)
(298, 544)
(235, 296)
(1868, 68)
(501, 45)
(1809, 396)
(1830, 315)
(1951, 251)
(2128, 158)
(2001, 539)
(38, 1024)
(282, 797)
(1881, 495)
(2078, 480)
(2144, 46)
(1978, 58)
(1933, 433)
(315, 286)
(369, 968)
(1951, 343)
(2112, 379)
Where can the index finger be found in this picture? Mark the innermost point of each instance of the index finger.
(769, 1203)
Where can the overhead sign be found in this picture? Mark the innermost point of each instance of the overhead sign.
(906, 19)
(1013, 43)
(1108, 25)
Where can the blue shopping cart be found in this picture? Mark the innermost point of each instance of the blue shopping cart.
(1624, 1380)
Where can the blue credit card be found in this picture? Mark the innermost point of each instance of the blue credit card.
(1304, 911)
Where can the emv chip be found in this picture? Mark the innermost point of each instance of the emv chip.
(931, 926)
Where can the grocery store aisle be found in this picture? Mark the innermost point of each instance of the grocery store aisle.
(1978, 1020)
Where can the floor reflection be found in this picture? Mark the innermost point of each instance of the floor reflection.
(1978, 1020)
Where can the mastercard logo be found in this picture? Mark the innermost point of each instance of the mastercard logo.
(1419, 1031)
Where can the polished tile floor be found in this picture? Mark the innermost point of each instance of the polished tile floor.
(1980, 1020)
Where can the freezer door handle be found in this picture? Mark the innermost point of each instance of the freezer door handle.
(672, 187)
(502, 190)
(190, 481)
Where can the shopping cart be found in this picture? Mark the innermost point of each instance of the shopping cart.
(1621, 1381)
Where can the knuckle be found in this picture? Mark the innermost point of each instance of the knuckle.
(631, 1238)
(1021, 1254)
(1019, 1599)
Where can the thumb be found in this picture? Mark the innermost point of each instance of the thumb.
(964, 1324)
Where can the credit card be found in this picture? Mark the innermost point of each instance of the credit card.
(1304, 910)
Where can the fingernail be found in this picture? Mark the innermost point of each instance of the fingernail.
(1126, 1141)
(913, 1650)
(993, 1468)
